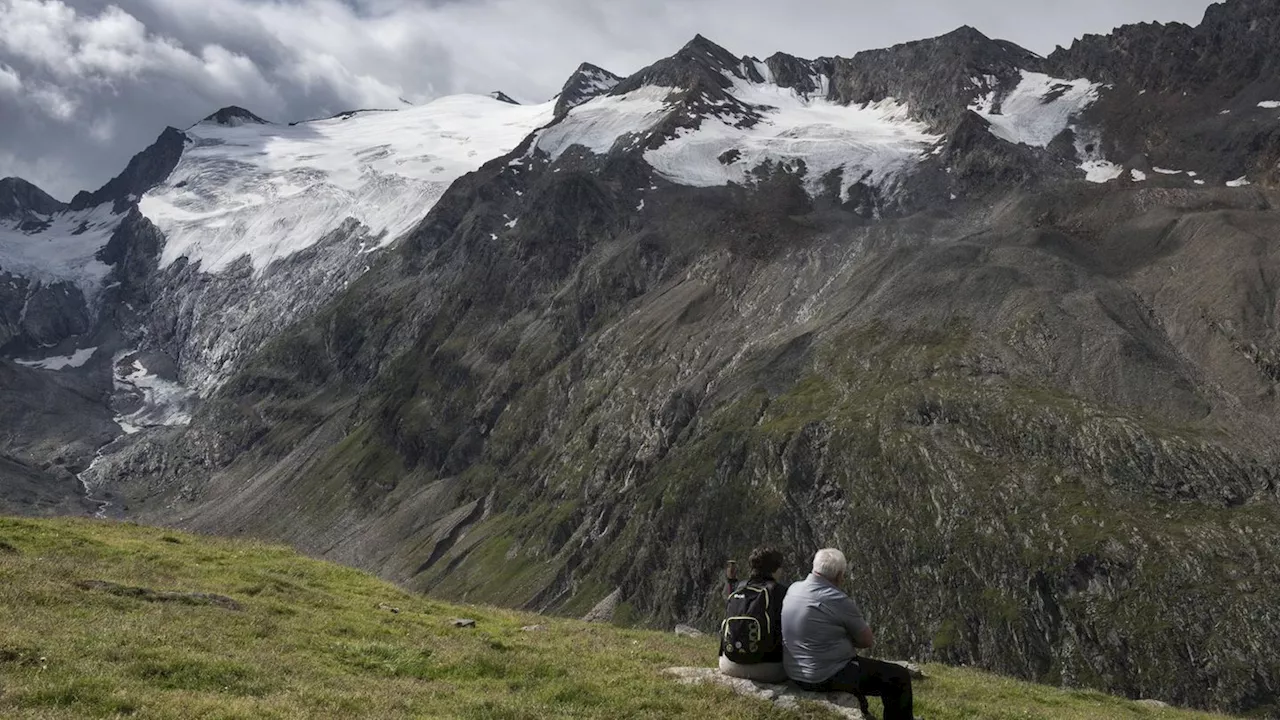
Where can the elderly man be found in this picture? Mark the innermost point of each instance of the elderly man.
(821, 629)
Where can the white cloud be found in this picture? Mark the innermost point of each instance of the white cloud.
(54, 102)
(10, 81)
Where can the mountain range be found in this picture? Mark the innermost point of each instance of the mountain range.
(1001, 326)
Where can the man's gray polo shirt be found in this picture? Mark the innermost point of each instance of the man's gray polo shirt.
(819, 623)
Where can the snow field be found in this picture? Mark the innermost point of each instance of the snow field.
(63, 251)
(269, 191)
(62, 362)
(1038, 109)
(872, 143)
(600, 122)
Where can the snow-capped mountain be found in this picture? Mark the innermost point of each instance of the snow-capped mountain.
(1002, 325)
(266, 191)
(242, 190)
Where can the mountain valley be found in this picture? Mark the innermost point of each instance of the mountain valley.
(1001, 326)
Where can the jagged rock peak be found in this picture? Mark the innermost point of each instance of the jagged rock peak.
(144, 171)
(701, 43)
(798, 74)
(19, 197)
(966, 33)
(233, 116)
(700, 49)
(967, 45)
(503, 97)
(587, 82)
(934, 77)
(1241, 10)
(702, 68)
(1232, 47)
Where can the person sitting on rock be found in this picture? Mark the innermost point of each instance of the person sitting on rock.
(822, 629)
(751, 636)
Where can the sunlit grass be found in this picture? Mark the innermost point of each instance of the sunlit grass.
(315, 640)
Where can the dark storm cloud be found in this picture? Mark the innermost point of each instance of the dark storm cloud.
(84, 84)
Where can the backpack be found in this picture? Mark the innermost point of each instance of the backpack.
(748, 633)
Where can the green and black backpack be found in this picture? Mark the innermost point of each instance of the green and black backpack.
(748, 633)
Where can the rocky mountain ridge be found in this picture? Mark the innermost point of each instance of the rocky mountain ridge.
(1001, 328)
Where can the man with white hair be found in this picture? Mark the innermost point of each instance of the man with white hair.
(822, 628)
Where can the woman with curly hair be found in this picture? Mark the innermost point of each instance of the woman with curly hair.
(751, 634)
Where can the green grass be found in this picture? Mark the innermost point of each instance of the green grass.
(310, 641)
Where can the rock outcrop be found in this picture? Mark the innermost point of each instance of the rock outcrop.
(786, 696)
(587, 82)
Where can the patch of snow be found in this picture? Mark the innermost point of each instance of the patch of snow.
(872, 143)
(1269, 104)
(1096, 167)
(1192, 173)
(64, 250)
(1137, 175)
(599, 82)
(1241, 181)
(512, 225)
(164, 402)
(1101, 171)
(269, 191)
(74, 360)
(984, 82)
(599, 123)
(640, 205)
(1225, 112)
(1164, 171)
(1038, 109)
(1199, 182)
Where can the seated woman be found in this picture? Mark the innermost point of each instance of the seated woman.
(751, 634)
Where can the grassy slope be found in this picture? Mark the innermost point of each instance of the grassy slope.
(311, 641)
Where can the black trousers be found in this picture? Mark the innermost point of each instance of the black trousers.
(864, 676)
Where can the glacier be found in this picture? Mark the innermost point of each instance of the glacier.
(268, 191)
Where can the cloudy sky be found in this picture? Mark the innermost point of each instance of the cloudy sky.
(84, 84)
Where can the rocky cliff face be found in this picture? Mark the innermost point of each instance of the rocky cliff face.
(1204, 96)
(999, 326)
(587, 82)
